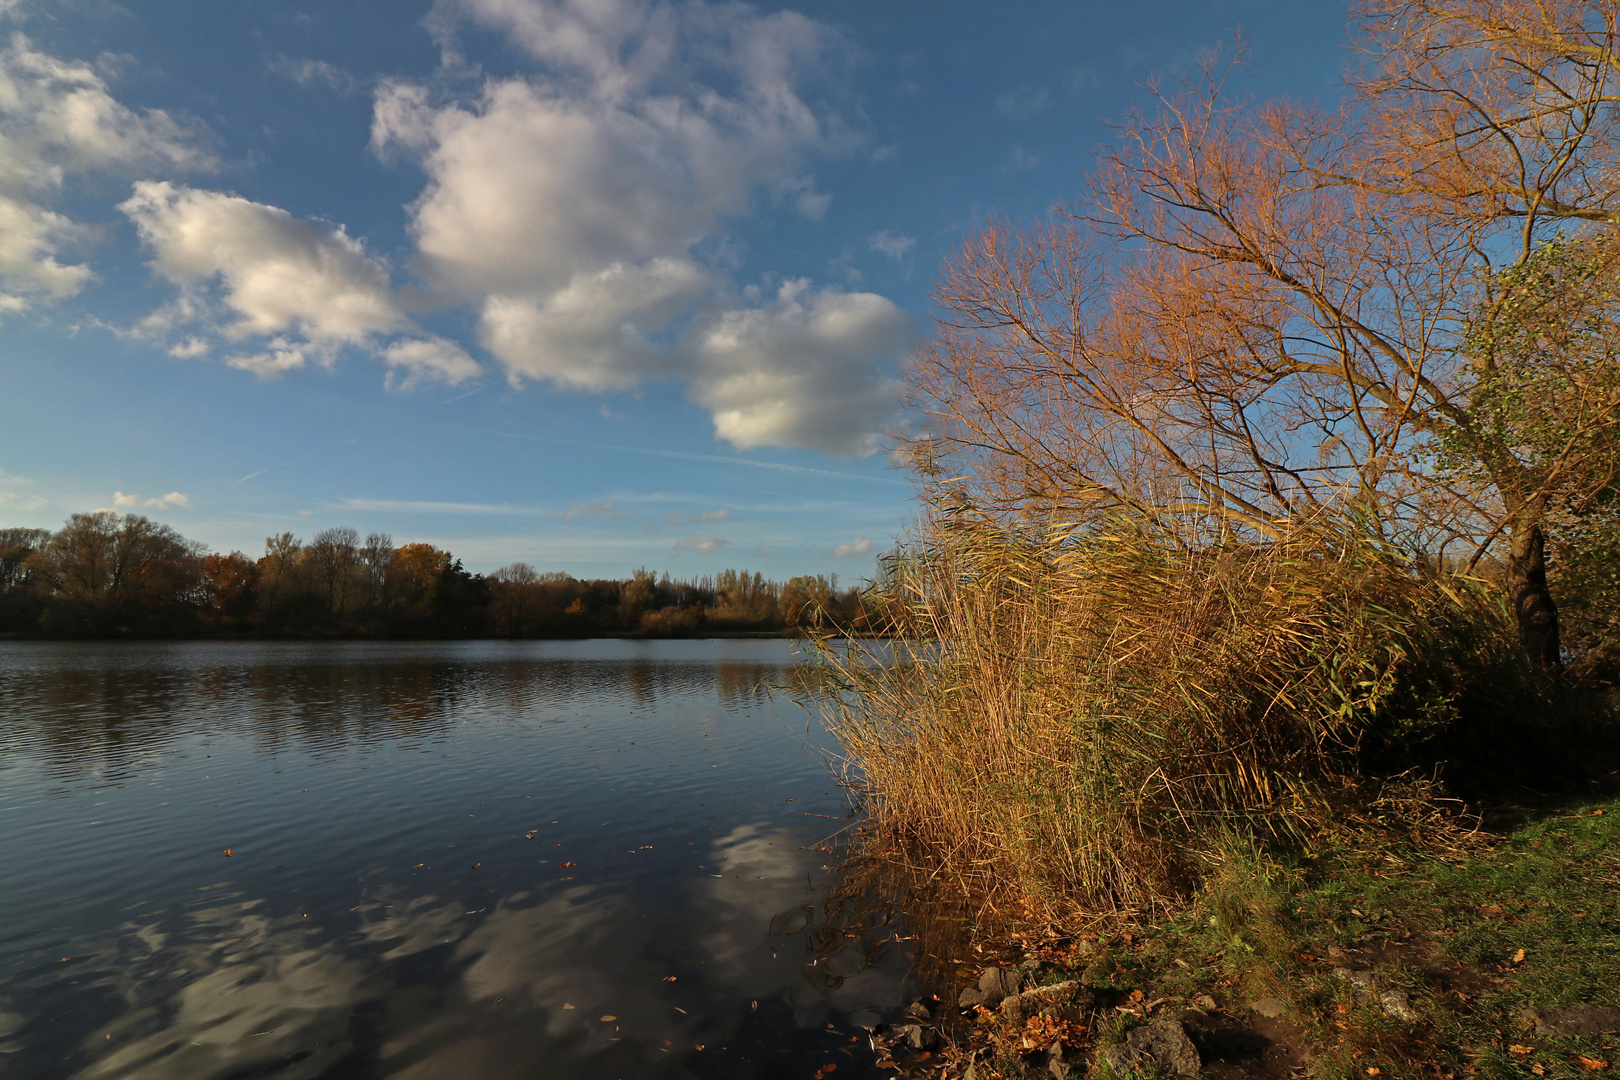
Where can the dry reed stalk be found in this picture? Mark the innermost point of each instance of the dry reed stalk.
(1089, 715)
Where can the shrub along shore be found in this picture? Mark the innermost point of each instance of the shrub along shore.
(105, 574)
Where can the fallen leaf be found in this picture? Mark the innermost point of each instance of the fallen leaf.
(1590, 1064)
(1538, 1070)
(564, 865)
(699, 1046)
(1518, 957)
(476, 865)
(1373, 1070)
(227, 851)
(1519, 1050)
(567, 1006)
(609, 1019)
(668, 978)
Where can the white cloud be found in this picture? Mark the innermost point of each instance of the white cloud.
(431, 357)
(285, 291)
(893, 244)
(586, 210)
(57, 120)
(277, 274)
(162, 502)
(601, 331)
(703, 545)
(807, 370)
(712, 515)
(313, 72)
(858, 546)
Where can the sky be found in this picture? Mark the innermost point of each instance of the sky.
(590, 284)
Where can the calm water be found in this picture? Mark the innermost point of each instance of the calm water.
(484, 860)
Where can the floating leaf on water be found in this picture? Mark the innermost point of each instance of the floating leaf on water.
(564, 865)
(567, 1006)
(226, 852)
(609, 1019)
(668, 978)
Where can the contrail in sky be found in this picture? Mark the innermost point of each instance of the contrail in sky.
(716, 459)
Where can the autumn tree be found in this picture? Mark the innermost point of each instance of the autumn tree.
(1258, 312)
(230, 586)
(279, 582)
(334, 555)
(376, 556)
(109, 573)
(20, 601)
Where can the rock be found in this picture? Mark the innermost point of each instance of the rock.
(969, 997)
(1086, 947)
(922, 1010)
(997, 983)
(1164, 1044)
(1205, 1002)
(1270, 1007)
(1020, 1007)
(917, 1036)
(1362, 983)
(1398, 1005)
(1574, 1020)
(1058, 1063)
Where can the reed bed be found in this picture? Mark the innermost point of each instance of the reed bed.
(1086, 722)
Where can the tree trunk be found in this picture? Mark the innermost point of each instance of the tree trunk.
(1532, 601)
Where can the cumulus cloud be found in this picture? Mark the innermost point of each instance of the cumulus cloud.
(585, 211)
(162, 502)
(284, 291)
(703, 545)
(276, 273)
(430, 358)
(856, 547)
(58, 119)
(805, 370)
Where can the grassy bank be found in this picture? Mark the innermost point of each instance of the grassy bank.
(1470, 930)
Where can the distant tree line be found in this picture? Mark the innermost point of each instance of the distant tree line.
(105, 574)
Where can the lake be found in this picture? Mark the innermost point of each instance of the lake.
(608, 859)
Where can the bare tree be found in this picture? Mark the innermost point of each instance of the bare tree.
(1260, 311)
(334, 554)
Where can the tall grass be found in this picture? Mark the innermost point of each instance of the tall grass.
(1086, 721)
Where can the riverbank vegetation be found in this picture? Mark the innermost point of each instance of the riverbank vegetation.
(106, 574)
(1271, 488)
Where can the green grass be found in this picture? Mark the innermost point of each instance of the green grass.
(1445, 929)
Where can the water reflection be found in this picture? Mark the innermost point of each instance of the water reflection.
(443, 861)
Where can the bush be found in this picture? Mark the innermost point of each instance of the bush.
(1093, 717)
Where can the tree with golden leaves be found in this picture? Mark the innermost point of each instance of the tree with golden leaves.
(1263, 311)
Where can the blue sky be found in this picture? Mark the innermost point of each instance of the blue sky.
(592, 284)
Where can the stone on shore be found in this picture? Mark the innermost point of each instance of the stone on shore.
(1164, 1044)
(1020, 1007)
(995, 984)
